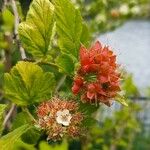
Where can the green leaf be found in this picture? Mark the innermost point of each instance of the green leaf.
(27, 84)
(89, 121)
(7, 142)
(8, 20)
(88, 109)
(21, 119)
(36, 32)
(63, 146)
(31, 136)
(65, 64)
(44, 146)
(121, 100)
(20, 145)
(68, 26)
(85, 36)
(2, 109)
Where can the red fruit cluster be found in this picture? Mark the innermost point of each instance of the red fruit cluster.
(97, 79)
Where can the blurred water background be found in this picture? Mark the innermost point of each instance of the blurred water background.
(131, 42)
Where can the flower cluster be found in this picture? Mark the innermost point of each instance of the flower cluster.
(59, 118)
(97, 78)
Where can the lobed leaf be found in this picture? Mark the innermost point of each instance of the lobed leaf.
(45, 146)
(69, 27)
(89, 122)
(88, 109)
(21, 119)
(7, 141)
(36, 32)
(2, 109)
(20, 145)
(31, 136)
(85, 35)
(65, 64)
(27, 84)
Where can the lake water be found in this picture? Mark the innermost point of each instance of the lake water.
(131, 42)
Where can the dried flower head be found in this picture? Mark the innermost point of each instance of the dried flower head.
(59, 118)
(97, 78)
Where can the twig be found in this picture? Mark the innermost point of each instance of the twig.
(16, 15)
(3, 5)
(22, 52)
(5, 2)
(7, 52)
(9, 114)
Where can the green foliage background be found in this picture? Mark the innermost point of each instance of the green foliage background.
(51, 33)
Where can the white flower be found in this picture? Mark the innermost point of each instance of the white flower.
(136, 10)
(124, 9)
(63, 117)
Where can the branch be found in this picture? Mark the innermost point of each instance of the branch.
(9, 114)
(16, 15)
(7, 52)
(4, 4)
(22, 52)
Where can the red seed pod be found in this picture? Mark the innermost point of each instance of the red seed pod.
(97, 78)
